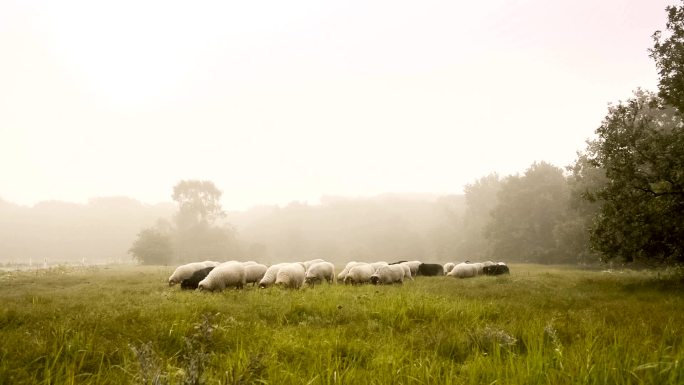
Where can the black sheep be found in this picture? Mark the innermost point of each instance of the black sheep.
(194, 280)
(430, 269)
(498, 269)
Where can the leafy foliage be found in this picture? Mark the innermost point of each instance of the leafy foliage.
(199, 202)
(668, 53)
(640, 146)
(529, 210)
(152, 247)
(195, 235)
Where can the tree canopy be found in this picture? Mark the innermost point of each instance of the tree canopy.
(640, 147)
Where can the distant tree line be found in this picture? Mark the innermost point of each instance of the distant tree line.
(194, 233)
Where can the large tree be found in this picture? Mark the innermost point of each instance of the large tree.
(195, 235)
(199, 202)
(529, 209)
(152, 247)
(668, 53)
(640, 147)
(481, 199)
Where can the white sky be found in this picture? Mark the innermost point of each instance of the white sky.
(276, 101)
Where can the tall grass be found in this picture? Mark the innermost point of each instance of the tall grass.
(539, 325)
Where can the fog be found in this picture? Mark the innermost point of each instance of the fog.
(103, 230)
(278, 102)
(345, 130)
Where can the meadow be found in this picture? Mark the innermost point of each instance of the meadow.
(540, 325)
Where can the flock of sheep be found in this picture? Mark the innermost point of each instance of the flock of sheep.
(216, 276)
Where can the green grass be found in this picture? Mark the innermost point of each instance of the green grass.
(540, 325)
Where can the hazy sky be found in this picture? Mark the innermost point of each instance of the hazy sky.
(277, 101)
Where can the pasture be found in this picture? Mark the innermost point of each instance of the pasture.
(540, 325)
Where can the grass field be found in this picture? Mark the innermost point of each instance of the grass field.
(540, 325)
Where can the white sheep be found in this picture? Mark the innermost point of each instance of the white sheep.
(184, 272)
(308, 263)
(414, 267)
(343, 274)
(320, 271)
(407, 270)
(291, 275)
(463, 270)
(360, 273)
(448, 266)
(227, 274)
(377, 265)
(388, 274)
(269, 277)
(254, 272)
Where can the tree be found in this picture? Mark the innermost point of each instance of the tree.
(199, 202)
(584, 180)
(668, 53)
(481, 199)
(640, 146)
(152, 247)
(529, 209)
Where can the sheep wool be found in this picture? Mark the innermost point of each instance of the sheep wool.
(320, 271)
(183, 272)
(269, 277)
(291, 276)
(463, 270)
(359, 274)
(227, 274)
(254, 273)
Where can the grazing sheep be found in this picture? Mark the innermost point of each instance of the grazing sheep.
(320, 271)
(480, 266)
(196, 277)
(463, 270)
(185, 271)
(407, 270)
(448, 266)
(414, 267)
(308, 264)
(291, 275)
(269, 277)
(496, 269)
(345, 271)
(360, 273)
(388, 274)
(430, 269)
(254, 273)
(377, 265)
(227, 274)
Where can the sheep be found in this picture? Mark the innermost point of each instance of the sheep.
(308, 264)
(194, 280)
(343, 274)
(496, 269)
(407, 270)
(463, 270)
(269, 277)
(377, 265)
(480, 266)
(448, 266)
(430, 269)
(360, 273)
(227, 274)
(414, 267)
(397, 263)
(388, 274)
(291, 275)
(185, 271)
(320, 271)
(254, 273)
